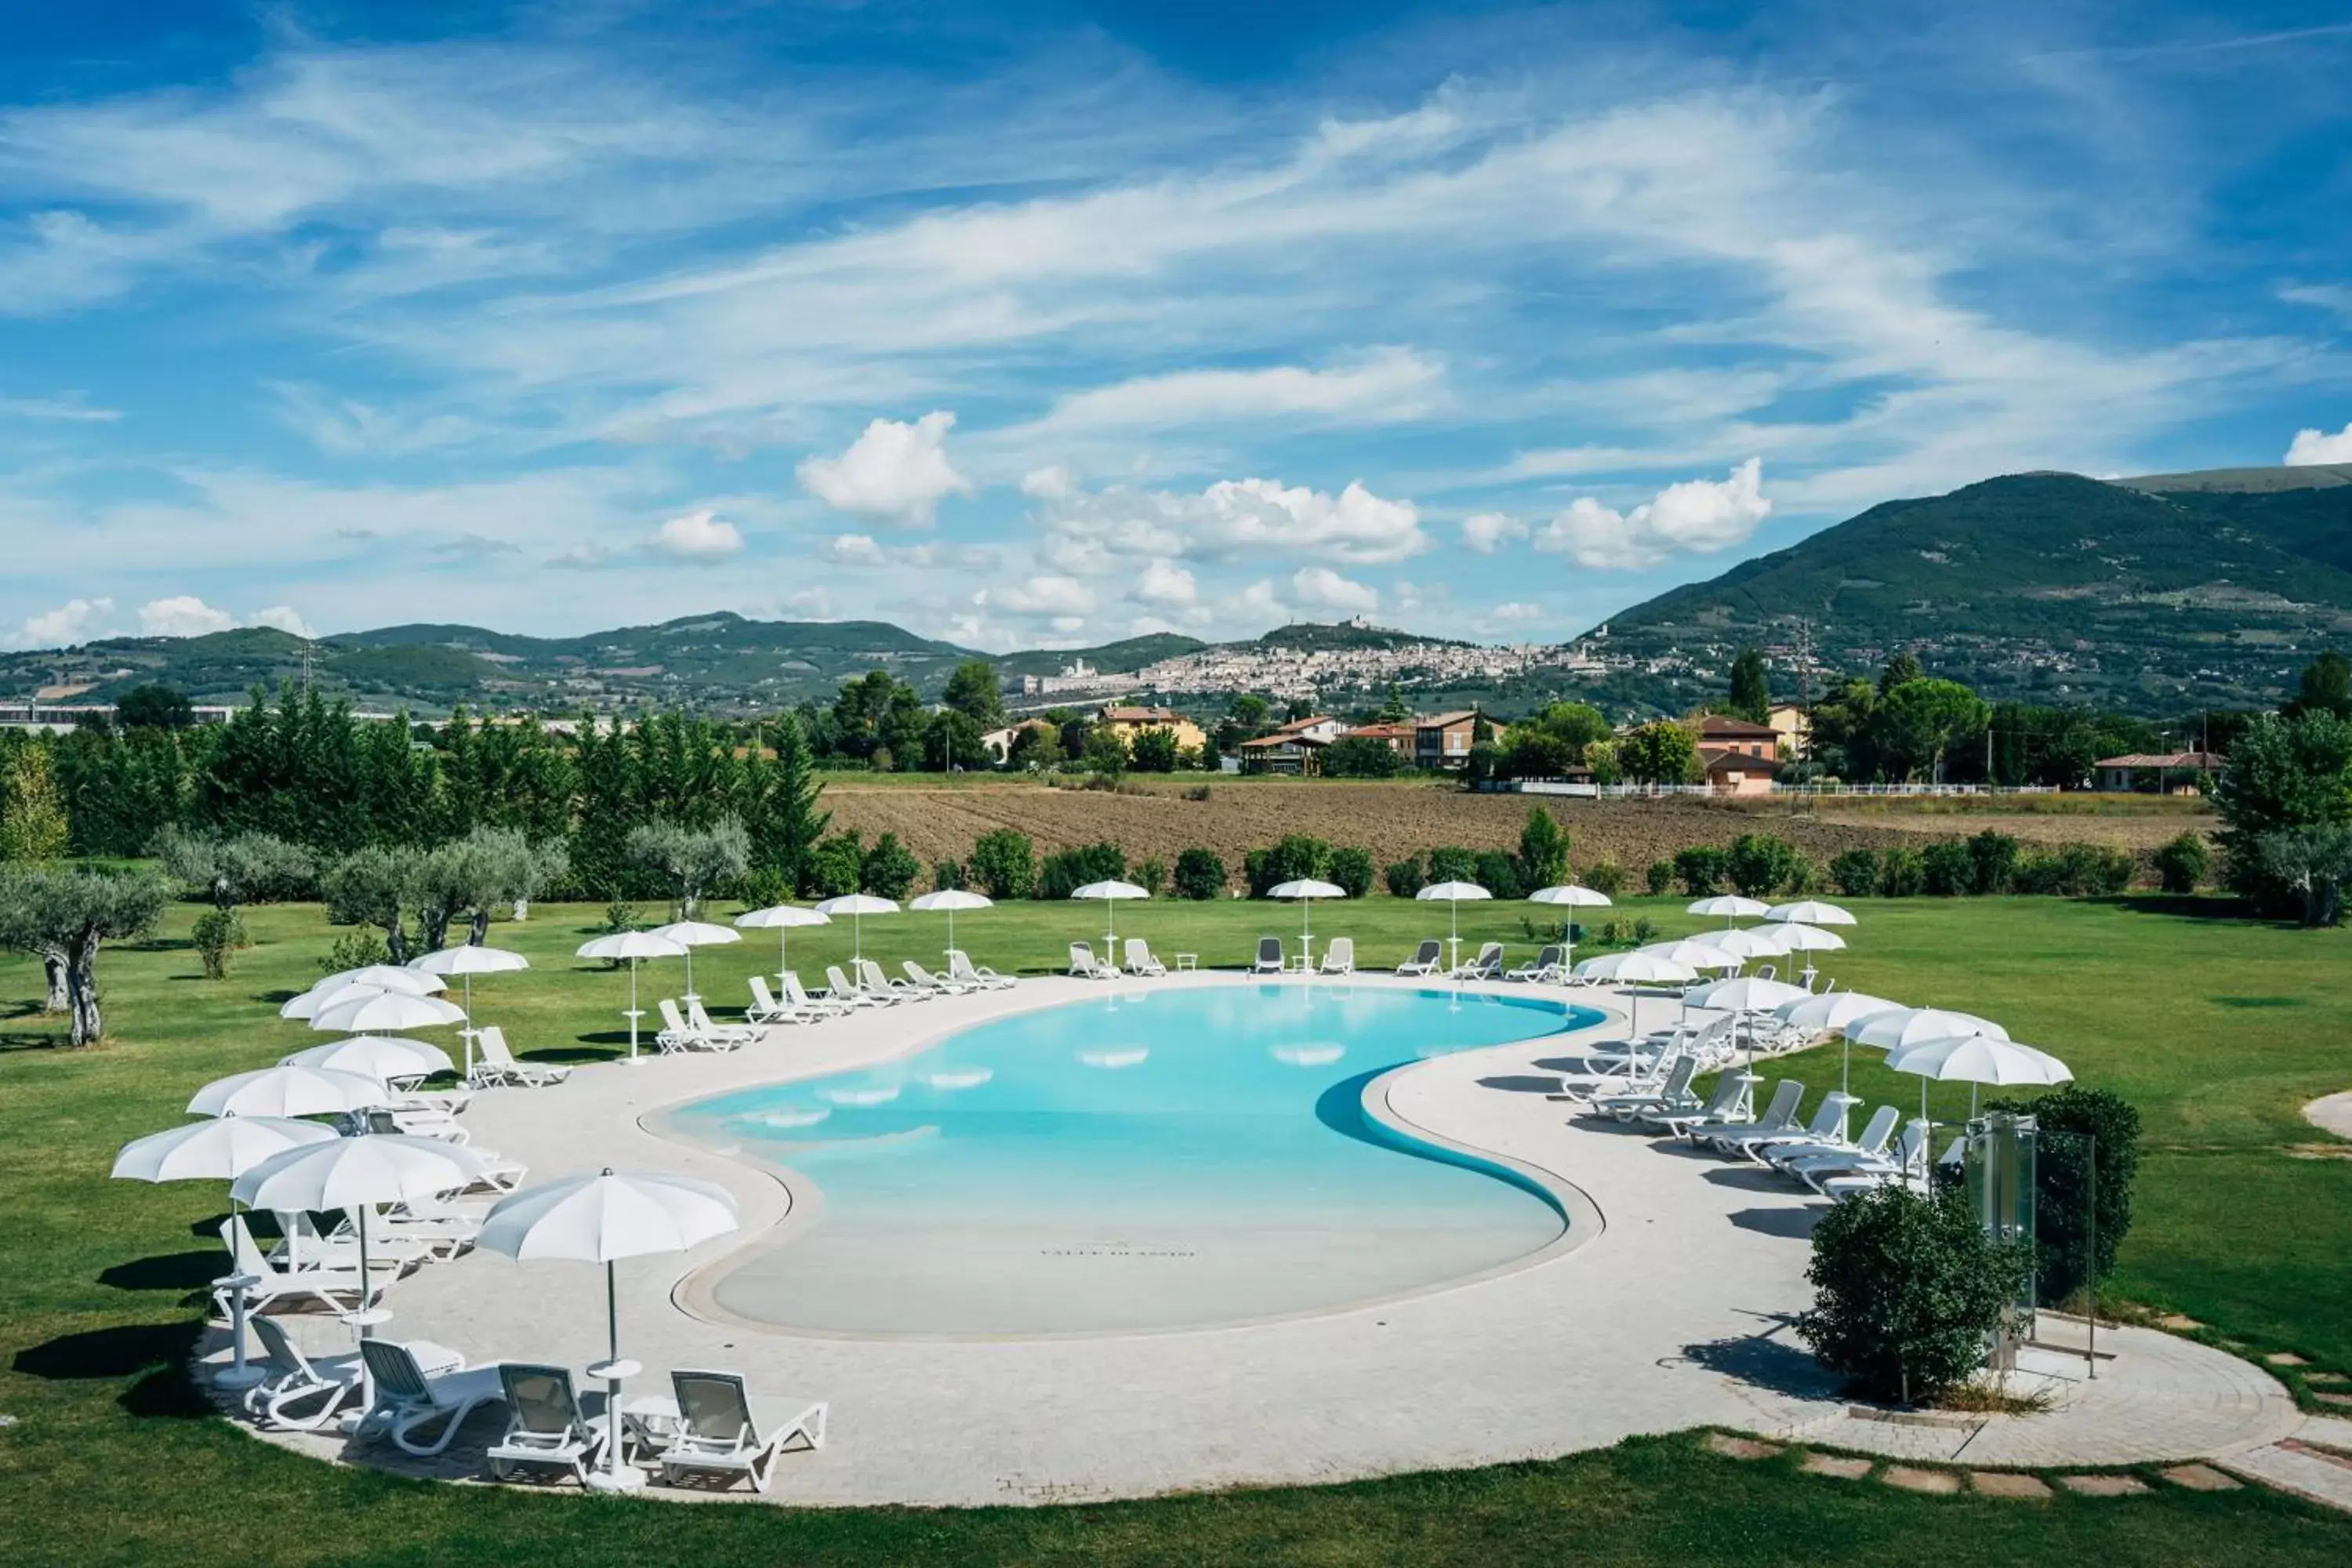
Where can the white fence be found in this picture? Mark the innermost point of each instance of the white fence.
(1619, 791)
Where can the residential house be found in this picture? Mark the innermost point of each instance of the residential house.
(998, 743)
(1443, 739)
(1397, 737)
(1125, 721)
(1794, 725)
(1716, 731)
(1730, 772)
(2175, 772)
(1293, 748)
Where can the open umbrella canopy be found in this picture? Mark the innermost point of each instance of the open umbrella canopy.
(699, 933)
(380, 1056)
(1832, 1012)
(1441, 892)
(287, 1091)
(857, 904)
(1746, 993)
(350, 1173)
(1751, 942)
(469, 959)
(1307, 887)
(352, 983)
(1797, 937)
(1693, 953)
(1572, 895)
(622, 944)
(1810, 912)
(596, 1219)
(1979, 1058)
(381, 1012)
(1112, 890)
(951, 899)
(1899, 1026)
(782, 916)
(219, 1150)
(1730, 906)
(1639, 967)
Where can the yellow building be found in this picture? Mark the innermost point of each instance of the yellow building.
(1125, 721)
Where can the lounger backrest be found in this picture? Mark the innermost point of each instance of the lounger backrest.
(762, 996)
(1726, 1094)
(1492, 954)
(1139, 952)
(1549, 957)
(795, 992)
(1428, 951)
(1678, 1080)
(395, 1370)
(1878, 1131)
(1915, 1139)
(539, 1399)
(836, 981)
(279, 1346)
(713, 1406)
(243, 1253)
(870, 974)
(492, 1043)
(1787, 1095)
(1342, 948)
(1269, 950)
(1082, 957)
(1826, 1116)
(960, 965)
(670, 1015)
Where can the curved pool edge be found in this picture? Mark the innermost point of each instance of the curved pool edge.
(694, 1292)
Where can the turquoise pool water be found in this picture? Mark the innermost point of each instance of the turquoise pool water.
(1153, 1159)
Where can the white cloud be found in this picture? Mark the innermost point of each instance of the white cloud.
(75, 621)
(582, 558)
(1320, 588)
(183, 616)
(72, 408)
(1052, 482)
(855, 550)
(1505, 619)
(1485, 532)
(697, 536)
(1167, 586)
(2318, 446)
(1694, 517)
(1386, 384)
(285, 618)
(1260, 605)
(812, 603)
(1253, 518)
(895, 472)
(1041, 595)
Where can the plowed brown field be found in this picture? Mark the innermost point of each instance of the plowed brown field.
(1156, 822)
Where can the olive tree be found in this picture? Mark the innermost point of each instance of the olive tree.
(64, 915)
(696, 860)
(232, 870)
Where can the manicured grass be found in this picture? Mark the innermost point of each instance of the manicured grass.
(2218, 1030)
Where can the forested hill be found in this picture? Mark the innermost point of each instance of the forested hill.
(2046, 584)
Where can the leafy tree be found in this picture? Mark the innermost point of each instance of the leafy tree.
(1104, 751)
(1004, 864)
(1760, 864)
(154, 707)
(1855, 872)
(973, 690)
(371, 887)
(948, 875)
(64, 915)
(953, 740)
(2312, 862)
(1350, 870)
(1701, 870)
(1947, 870)
(782, 815)
(1543, 851)
(1065, 873)
(2073, 1124)
(215, 935)
(1452, 863)
(493, 867)
(1907, 1291)
(1919, 721)
(1035, 746)
(1659, 752)
(1153, 750)
(1405, 877)
(1200, 875)
(1993, 862)
(835, 865)
(1607, 879)
(1393, 709)
(1659, 878)
(890, 869)
(242, 868)
(693, 861)
(2324, 686)
(1845, 731)
(1498, 873)
(1900, 873)
(1152, 876)
(1361, 757)
(2182, 863)
(1750, 695)
(1901, 671)
(1297, 856)
(2283, 774)
(34, 826)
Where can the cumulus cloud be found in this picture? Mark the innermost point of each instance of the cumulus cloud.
(697, 536)
(1694, 517)
(1504, 618)
(285, 618)
(895, 472)
(75, 621)
(1387, 383)
(1052, 482)
(812, 603)
(1044, 595)
(183, 616)
(1485, 531)
(1166, 585)
(865, 549)
(582, 558)
(2319, 446)
(1086, 531)
(1320, 588)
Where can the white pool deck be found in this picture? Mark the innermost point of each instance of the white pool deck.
(1672, 1312)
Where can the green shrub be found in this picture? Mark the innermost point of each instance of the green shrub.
(2183, 863)
(1199, 875)
(1907, 1291)
(2077, 870)
(1855, 872)
(1065, 873)
(1761, 865)
(1700, 868)
(890, 868)
(1660, 877)
(2070, 1123)
(1351, 869)
(1404, 878)
(1498, 873)
(947, 874)
(1947, 870)
(1296, 857)
(216, 935)
(1608, 879)
(766, 885)
(1543, 851)
(835, 865)
(358, 949)
(1452, 864)
(1900, 875)
(1004, 864)
(1993, 862)
(1200, 792)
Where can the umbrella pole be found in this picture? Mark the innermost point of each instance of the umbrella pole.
(1454, 930)
(784, 964)
(690, 976)
(632, 1009)
(613, 1385)
(468, 1035)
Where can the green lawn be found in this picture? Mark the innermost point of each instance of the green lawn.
(2218, 1030)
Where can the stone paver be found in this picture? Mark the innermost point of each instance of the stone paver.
(2202, 1479)
(2332, 1113)
(2340, 1400)
(1732, 1447)
(2286, 1358)
(2105, 1485)
(1844, 1467)
(2176, 1321)
(1910, 1480)
(2009, 1484)
(2297, 1471)
(1667, 1309)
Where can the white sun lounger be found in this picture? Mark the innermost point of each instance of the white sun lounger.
(1672, 1095)
(545, 1429)
(837, 988)
(291, 1380)
(1426, 959)
(797, 995)
(1338, 956)
(1779, 1115)
(1269, 956)
(933, 984)
(408, 1398)
(1818, 1169)
(1751, 1142)
(1545, 967)
(961, 967)
(766, 1009)
(724, 1435)
(1722, 1108)
(729, 1036)
(1141, 961)
(1875, 1135)
(337, 1288)
(495, 1063)
(1487, 965)
(874, 983)
(1084, 965)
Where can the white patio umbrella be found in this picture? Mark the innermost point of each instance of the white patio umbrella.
(1812, 912)
(465, 960)
(1110, 893)
(1746, 996)
(1748, 941)
(1730, 906)
(1976, 1059)
(1799, 937)
(1830, 1013)
(385, 1012)
(950, 900)
(784, 920)
(691, 934)
(356, 1174)
(1695, 952)
(1305, 891)
(602, 1220)
(1899, 1026)
(856, 906)
(632, 945)
(371, 977)
(1638, 968)
(287, 1091)
(387, 1058)
(1454, 893)
(219, 1150)
(1569, 895)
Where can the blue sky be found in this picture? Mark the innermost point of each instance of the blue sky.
(1054, 322)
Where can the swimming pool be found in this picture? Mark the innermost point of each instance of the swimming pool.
(1155, 1159)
